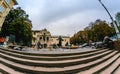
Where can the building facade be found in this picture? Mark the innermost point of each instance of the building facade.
(45, 38)
(5, 6)
(55, 40)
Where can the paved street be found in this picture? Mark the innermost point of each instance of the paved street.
(59, 50)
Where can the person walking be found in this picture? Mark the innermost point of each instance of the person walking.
(38, 45)
(108, 43)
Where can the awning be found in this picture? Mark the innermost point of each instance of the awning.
(2, 39)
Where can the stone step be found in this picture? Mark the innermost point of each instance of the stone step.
(117, 70)
(62, 63)
(3, 72)
(6, 70)
(111, 68)
(94, 70)
(51, 58)
(70, 69)
(51, 54)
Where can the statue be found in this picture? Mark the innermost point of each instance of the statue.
(60, 41)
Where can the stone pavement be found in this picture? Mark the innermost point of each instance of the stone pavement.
(59, 50)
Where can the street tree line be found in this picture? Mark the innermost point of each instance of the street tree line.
(98, 30)
(95, 32)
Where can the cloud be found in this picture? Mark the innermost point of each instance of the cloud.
(75, 22)
(57, 9)
(66, 16)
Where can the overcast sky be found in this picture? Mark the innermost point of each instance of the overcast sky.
(65, 17)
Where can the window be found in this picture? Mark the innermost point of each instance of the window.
(47, 38)
(65, 39)
(52, 40)
(2, 9)
(34, 39)
(8, 1)
(40, 38)
(34, 33)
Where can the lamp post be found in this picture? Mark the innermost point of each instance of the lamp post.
(115, 25)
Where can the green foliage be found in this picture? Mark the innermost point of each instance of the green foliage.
(119, 28)
(101, 30)
(15, 24)
(118, 19)
(74, 39)
(118, 15)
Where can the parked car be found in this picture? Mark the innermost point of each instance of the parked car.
(16, 47)
(98, 44)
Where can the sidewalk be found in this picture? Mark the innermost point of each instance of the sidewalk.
(59, 50)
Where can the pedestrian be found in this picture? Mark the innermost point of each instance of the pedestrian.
(108, 43)
(90, 43)
(38, 45)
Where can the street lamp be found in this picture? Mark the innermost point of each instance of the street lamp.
(115, 25)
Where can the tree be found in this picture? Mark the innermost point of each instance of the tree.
(15, 24)
(97, 32)
(76, 39)
(101, 29)
(118, 17)
(118, 20)
(81, 37)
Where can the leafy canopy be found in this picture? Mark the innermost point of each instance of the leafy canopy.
(15, 24)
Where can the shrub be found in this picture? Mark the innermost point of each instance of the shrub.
(117, 45)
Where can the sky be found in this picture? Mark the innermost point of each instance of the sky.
(66, 17)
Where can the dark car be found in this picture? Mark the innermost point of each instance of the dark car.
(98, 44)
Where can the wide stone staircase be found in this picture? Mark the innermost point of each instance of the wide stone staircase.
(99, 61)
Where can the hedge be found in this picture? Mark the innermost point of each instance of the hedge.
(117, 45)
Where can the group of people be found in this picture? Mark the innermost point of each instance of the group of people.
(39, 45)
(107, 43)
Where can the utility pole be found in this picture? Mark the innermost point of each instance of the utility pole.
(115, 25)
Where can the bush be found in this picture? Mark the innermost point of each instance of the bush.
(117, 45)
